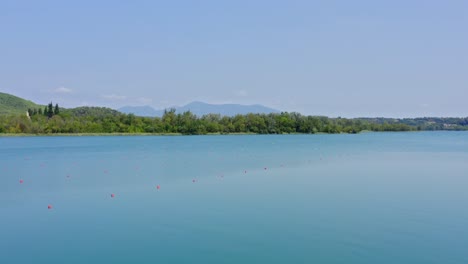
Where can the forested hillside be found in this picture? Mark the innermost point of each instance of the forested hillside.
(52, 119)
(104, 120)
(10, 104)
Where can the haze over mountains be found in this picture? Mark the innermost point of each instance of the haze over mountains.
(11, 104)
(18, 115)
(201, 108)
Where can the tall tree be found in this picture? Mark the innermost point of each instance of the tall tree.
(56, 110)
(50, 110)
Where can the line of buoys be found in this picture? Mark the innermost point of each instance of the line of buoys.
(158, 187)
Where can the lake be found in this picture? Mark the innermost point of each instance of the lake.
(364, 198)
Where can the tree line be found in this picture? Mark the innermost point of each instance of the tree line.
(49, 110)
(103, 120)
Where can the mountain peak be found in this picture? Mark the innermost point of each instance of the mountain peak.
(145, 110)
(201, 108)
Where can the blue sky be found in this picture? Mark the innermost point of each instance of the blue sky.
(336, 58)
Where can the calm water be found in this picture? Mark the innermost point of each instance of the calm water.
(367, 198)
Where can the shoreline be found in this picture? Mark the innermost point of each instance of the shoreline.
(115, 134)
(208, 134)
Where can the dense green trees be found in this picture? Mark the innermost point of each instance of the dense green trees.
(49, 110)
(104, 120)
(13, 105)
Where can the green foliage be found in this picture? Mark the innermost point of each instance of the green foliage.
(86, 111)
(105, 120)
(10, 104)
(50, 110)
(50, 120)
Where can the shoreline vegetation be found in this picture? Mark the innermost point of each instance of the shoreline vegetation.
(122, 134)
(99, 121)
(180, 134)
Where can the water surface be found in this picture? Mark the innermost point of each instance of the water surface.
(366, 198)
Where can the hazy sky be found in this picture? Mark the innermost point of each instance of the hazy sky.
(336, 58)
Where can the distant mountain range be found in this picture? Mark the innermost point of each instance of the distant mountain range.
(200, 108)
(89, 119)
(10, 104)
(141, 110)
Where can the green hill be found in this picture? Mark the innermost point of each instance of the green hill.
(10, 104)
(13, 105)
(99, 112)
(89, 119)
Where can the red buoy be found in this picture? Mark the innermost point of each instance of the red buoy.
(21, 181)
(158, 187)
(112, 195)
(49, 206)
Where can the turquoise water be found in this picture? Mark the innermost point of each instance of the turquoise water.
(366, 198)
